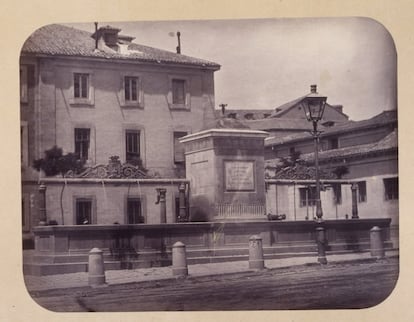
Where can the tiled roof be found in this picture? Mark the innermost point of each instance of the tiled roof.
(279, 124)
(388, 143)
(242, 113)
(297, 172)
(59, 40)
(282, 109)
(386, 117)
(225, 123)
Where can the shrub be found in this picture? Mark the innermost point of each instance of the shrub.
(55, 162)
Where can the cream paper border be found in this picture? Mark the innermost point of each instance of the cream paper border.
(20, 18)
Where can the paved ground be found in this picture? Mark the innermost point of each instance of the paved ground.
(113, 277)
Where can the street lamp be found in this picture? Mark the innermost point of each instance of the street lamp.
(314, 106)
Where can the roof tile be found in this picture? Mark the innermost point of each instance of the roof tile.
(386, 117)
(61, 40)
(390, 142)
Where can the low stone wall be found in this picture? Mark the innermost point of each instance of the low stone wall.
(109, 199)
(144, 245)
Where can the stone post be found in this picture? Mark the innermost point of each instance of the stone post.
(42, 205)
(96, 268)
(161, 200)
(377, 245)
(179, 260)
(354, 189)
(256, 260)
(321, 242)
(182, 214)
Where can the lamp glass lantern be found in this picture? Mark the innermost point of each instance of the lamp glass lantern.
(314, 105)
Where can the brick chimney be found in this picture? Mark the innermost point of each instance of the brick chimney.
(108, 36)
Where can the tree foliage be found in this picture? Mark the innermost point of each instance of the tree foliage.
(293, 159)
(56, 163)
(340, 171)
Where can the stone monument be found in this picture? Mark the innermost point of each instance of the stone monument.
(225, 167)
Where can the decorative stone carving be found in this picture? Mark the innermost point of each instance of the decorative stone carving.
(113, 170)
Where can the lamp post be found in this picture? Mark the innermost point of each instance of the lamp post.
(314, 106)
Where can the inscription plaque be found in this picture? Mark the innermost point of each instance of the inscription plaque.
(239, 175)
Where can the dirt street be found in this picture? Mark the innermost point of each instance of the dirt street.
(354, 285)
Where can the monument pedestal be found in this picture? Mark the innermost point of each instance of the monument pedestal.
(226, 170)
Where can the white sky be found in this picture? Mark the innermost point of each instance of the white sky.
(266, 63)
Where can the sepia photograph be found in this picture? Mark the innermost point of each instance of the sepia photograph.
(209, 165)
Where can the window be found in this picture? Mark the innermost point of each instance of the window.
(131, 89)
(134, 211)
(337, 192)
(179, 156)
(82, 142)
(333, 143)
(178, 91)
(23, 84)
(391, 188)
(307, 196)
(82, 90)
(362, 191)
(80, 85)
(83, 211)
(132, 142)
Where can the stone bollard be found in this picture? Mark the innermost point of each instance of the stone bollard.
(256, 260)
(321, 242)
(96, 268)
(179, 260)
(377, 245)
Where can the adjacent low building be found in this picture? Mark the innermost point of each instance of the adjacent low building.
(360, 155)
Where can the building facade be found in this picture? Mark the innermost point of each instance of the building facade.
(115, 103)
(359, 155)
(101, 95)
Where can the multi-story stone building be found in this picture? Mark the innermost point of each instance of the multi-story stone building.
(101, 95)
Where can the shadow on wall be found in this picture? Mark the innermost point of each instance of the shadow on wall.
(201, 209)
(122, 248)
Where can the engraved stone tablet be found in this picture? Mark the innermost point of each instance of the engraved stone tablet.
(239, 175)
